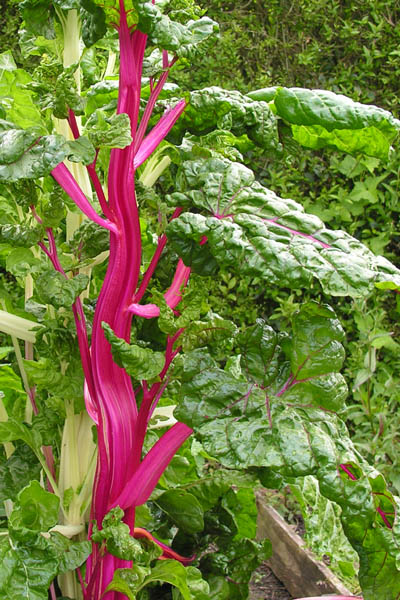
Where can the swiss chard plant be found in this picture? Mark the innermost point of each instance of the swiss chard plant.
(136, 423)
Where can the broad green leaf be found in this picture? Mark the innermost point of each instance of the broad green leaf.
(230, 111)
(258, 359)
(199, 588)
(18, 471)
(237, 563)
(21, 261)
(27, 569)
(315, 348)
(81, 150)
(12, 430)
(53, 288)
(102, 95)
(93, 22)
(256, 233)
(116, 534)
(140, 363)
(35, 509)
(17, 100)
(289, 428)
(111, 11)
(21, 235)
(71, 554)
(32, 157)
(37, 15)
(214, 331)
(241, 503)
(7, 62)
(130, 582)
(321, 118)
(9, 379)
(183, 508)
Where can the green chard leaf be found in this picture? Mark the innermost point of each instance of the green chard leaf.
(35, 509)
(116, 535)
(251, 230)
(109, 132)
(230, 111)
(140, 363)
(186, 579)
(17, 471)
(29, 559)
(183, 508)
(284, 420)
(53, 288)
(27, 156)
(27, 569)
(17, 100)
(321, 118)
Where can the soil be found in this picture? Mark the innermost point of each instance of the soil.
(265, 586)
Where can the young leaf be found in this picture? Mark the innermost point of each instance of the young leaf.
(35, 509)
(117, 537)
(140, 363)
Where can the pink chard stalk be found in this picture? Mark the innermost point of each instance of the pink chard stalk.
(122, 477)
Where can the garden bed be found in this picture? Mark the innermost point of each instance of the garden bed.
(300, 572)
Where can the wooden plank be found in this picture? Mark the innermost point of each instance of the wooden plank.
(294, 564)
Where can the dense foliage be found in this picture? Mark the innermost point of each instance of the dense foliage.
(109, 235)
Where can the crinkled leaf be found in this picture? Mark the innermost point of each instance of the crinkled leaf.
(183, 508)
(38, 158)
(35, 509)
(315, 347)
(199, 588)
(321, 118)
(215, 108)
(181, 39)
(109, 132)
(140, 363)
(258, 345)
(93, 22)
(52, 208)
(71, 554)
(89, 240)
(27, 569)
(255, 232)
(236, 563)
(213, 331)
(324, 531)
(81, 150)
(55, 378)
(17, 471)
(102, 95)
(21, 235)
(289, 428)
(117, 537)
(53, 288)
(131, 581)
